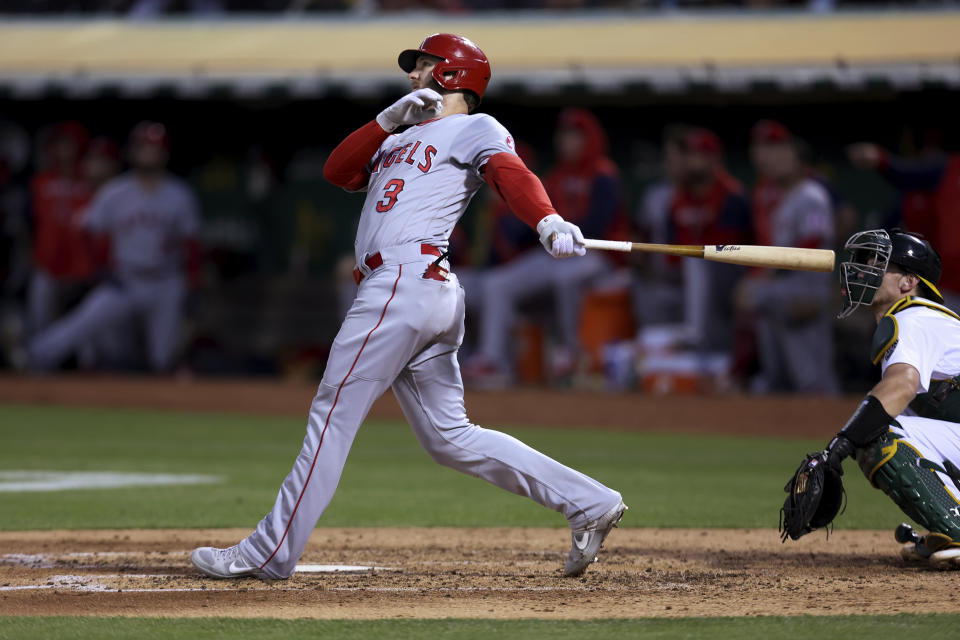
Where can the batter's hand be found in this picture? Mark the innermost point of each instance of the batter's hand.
(560, 238)
(413, 108)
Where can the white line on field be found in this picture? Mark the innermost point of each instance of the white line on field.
(24, 481)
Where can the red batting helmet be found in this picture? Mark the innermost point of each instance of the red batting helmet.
(458, 55)
(150, 133)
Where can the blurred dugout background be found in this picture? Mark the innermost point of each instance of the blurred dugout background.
(254, 95)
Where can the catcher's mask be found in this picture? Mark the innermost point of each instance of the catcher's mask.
(862, 274)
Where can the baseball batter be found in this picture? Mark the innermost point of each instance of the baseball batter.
(905, 434)
(406, 323)
(151, 220)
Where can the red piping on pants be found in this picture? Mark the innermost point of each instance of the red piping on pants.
(329, 413)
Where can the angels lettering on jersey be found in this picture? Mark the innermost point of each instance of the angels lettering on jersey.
(422, 179)
(408, 153)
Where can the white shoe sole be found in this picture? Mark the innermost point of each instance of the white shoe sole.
(946, 559)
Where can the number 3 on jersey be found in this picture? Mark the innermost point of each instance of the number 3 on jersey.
(391, 191)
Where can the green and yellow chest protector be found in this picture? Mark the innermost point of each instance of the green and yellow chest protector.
(942, 401)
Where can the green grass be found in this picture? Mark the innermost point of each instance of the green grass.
(668, 480)
(763, 628)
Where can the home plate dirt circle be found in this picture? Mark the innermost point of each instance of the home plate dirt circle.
(475, 573)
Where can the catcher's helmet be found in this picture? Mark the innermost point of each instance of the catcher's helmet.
(458, 55)
(150, 133)
(915, 254)
(870, 254)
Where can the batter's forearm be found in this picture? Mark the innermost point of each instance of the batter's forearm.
(519, 187)
(347, 165)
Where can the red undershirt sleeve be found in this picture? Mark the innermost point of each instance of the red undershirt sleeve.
(519, 187)
(347, 165)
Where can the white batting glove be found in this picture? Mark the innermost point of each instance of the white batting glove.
(560, 238)
(413, 108)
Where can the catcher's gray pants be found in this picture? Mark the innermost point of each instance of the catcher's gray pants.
(403, 331)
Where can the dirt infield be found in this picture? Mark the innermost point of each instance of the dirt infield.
(732, 414)
(476, 573)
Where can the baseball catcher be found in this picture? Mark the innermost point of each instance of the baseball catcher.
(905, 435)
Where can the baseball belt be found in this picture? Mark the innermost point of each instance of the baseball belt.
(375, 261)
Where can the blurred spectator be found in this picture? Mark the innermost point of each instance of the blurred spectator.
(65, 255)
(708, 207)
(659, 295)
(154, 8)
(496, 237)
(14, 239)
(930, 202)
(790, 310)
(150, 8)
(100, 163)
(152, 221)
(584, 186)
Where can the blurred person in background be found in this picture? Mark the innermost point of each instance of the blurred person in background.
(584, 185)
(147, 9)
(496, 237)
(708, 207)
(66, 257)
(929, 204)
(789, 310)
(151, 219)
(100, 163)
(14, 239)
(658, 294)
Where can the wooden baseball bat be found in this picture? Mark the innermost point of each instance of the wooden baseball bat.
(792, 258)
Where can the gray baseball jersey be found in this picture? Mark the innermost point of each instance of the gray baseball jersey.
(794, 354)
(805, 213)
(147, 229)
(403, 332)
(422, 180)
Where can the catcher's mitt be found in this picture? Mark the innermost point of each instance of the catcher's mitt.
(815, 496)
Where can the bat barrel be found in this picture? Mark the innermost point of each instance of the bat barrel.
(793, 258)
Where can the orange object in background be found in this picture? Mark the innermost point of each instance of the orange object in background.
(605, 317)
(528, 337)
(672, 382)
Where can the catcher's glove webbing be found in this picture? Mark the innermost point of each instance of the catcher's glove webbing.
(815, 496)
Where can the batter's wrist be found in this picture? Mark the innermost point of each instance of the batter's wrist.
(386, 123)
(553, 217)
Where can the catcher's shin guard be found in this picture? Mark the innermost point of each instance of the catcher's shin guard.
(896, 468)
